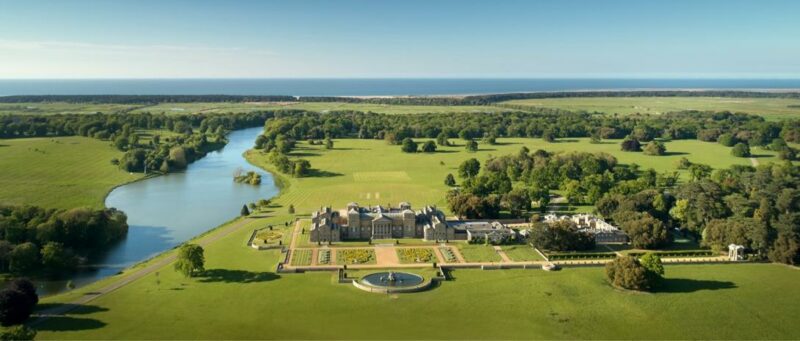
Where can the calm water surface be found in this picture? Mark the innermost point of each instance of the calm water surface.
(167, 210)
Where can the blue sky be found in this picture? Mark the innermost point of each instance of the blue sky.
(517, 39)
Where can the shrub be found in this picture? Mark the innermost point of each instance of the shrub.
(655, 148)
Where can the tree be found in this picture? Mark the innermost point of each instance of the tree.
(785, 249)
(18, 333)
(244, 212)
(469, 168)
(631, 144)
(26, 287)
(549, 136)
(408, 145)
(472, 146)
(655, 148)
(560, 236)
(301, 168)
(699, 171)
(328, 143)
(121, 143)
(190, 260)
(15, 307)
(24, 257)
(441, 139)
(291, 209)
(683, 163)
(56, 258)
(516, 201)
(741, 150)
(727, 140)
(655, 270)
(626, 272)
(449, 180)
(646, 232)
(429, 147)
(749, 232)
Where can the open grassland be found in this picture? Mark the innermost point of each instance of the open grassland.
(772, 108)
(61, 172)
(52, 108)
(241, 291)
(372, 172)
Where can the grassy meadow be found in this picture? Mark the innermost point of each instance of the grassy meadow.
(59, 172)
(373, 172)
(771, 108)
(242, 298)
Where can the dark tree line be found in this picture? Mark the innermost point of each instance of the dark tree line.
(36, 240)
(196, 134)
(706, 126)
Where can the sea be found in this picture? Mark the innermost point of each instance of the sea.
(369, 86)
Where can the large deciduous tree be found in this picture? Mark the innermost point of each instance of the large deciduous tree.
(190, 260)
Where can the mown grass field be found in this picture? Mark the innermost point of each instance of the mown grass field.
(475, 253)
(771, 108)
(243, 298)
(61, 172)
(372, 172)
(521, 253)
(51, 108)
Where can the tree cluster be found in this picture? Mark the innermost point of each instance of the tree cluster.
(35, 239)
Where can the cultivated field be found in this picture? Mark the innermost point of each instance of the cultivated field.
(62, 172)
(772, 108)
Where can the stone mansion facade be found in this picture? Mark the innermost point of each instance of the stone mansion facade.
(378, 222)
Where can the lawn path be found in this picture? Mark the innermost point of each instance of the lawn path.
(88, 297)
(502, 254)
(754, 161)
(386, 255)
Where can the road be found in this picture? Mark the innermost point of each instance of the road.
(157, 265)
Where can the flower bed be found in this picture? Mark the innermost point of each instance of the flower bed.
(415, 255)
(355, 256)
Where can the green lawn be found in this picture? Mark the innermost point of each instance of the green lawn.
(772, 108)
(52, 108)
(698, 302)
(521, 253)
(478, 253)
(60, 172)
(187, 108)
(373, 172)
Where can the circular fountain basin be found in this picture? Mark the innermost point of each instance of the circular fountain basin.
(392, 282)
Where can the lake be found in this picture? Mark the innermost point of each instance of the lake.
(167, 210)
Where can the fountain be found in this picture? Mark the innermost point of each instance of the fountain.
(390, 281)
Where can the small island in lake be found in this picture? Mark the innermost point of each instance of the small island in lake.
(250, 177)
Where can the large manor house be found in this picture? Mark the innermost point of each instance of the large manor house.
(378, 222)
